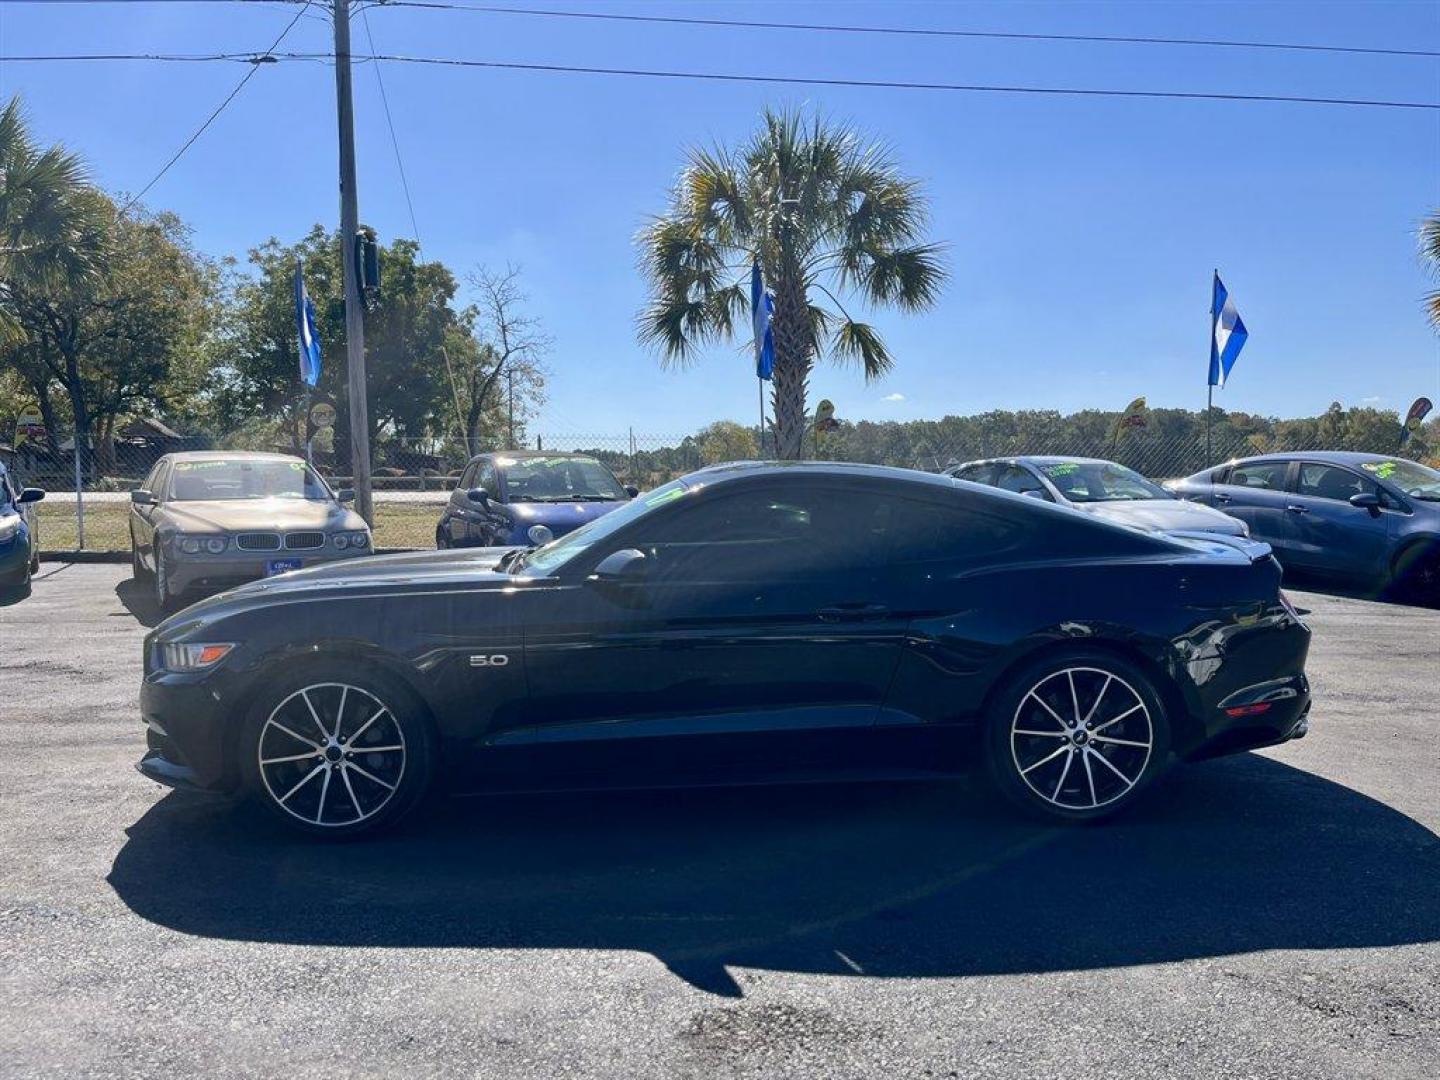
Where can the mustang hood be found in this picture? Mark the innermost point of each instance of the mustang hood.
(1165, 515)
(259, 515)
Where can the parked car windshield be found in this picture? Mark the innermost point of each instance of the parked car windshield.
(1416, 480)
(559, 552)
(1101, 481)
(559, 479)
(243, 478)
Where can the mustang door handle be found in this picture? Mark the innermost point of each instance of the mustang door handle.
(1223, 498)
(1298, 509)
(837, 612)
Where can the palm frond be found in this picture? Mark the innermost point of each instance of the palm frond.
(857, 341)
(909, 278)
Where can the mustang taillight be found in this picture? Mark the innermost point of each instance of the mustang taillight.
(1249, 710)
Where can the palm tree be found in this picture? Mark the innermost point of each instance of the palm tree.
(826, 214)
(1430, 250)
(44, 218)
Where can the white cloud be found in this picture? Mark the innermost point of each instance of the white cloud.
(1375, 400)
(893, 397)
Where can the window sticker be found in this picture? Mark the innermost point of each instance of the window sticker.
(1065, 468)
(663, 497)
(1383, 469)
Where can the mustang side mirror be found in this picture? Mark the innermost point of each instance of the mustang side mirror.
(624, 567)
(345, 495)
(142, 497)
(478, 495)
(1366, 500)
(31, 495)
(539, 535)
(631, 490)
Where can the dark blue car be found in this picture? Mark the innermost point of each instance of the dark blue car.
(1367, 519)
(19, 540)
(501, 497)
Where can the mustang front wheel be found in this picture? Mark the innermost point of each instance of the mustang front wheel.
(337, 755)
(1077, 738)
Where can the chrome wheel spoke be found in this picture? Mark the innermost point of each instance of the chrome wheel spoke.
(1099, 697)
(345, 775)
(294, 735)
(375, 749)
(340, 711)
(1101, 727)
(1042, 734)
(1048, 709)
(365, 726)
(289, 757)
(1048, 757)
(371, 776)
(1069, 760)
(1074, 697)
(1109, 765)
(1122, 742)
(324, 734)
(303, 781)
(1090, 776)
(324, 790)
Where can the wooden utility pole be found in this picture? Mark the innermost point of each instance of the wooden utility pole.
(354, 305)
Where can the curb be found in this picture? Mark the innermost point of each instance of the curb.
(124, 556)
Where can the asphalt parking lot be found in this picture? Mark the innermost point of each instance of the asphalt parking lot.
(1271, 915)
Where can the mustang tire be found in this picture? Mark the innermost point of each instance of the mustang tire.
(1076, 736)
(336, 750)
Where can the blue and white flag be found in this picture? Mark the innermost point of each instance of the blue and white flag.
(1227, 334)
(762, 307)
(305, 324)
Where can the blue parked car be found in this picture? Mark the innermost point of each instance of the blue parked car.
(19, 538)
(501, 497)
(1368, 519)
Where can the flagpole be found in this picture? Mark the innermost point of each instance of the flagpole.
(1210, 385)
(760, 386)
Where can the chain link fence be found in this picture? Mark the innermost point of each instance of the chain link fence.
(413, 476)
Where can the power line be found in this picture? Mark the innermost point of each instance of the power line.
(906, 31)
(394, 141)
(788, 80)
(254, 67)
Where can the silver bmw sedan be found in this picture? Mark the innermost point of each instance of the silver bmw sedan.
(213, 519)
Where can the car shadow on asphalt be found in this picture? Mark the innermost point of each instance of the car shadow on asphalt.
(139, 600)
(876, 880)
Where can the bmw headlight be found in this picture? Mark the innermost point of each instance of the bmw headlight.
(194, 545)
(9, 526)
(357, 540)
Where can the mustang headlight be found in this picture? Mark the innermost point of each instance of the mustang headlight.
(9, 526)
(192, 657)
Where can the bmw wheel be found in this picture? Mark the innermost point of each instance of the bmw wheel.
(164, 598)
(1077, 738)
(442, 540)
(137, 568)
(337, 754)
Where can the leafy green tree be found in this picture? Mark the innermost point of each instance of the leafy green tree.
(129, 333)
(414, 317)
(826, 214)
(726, 440)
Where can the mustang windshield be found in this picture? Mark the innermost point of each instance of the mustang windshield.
(559, 552)
(1416, 480)
(1101, 481)
(560, 479)
(245, 478)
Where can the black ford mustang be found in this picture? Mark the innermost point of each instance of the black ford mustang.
(745, 623)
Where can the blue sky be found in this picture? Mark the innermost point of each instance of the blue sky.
(1082, 232)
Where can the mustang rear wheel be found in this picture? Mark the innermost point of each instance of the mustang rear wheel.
(1077, 738)
(336, 753)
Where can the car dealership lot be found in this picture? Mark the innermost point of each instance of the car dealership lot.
(1275, 914)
